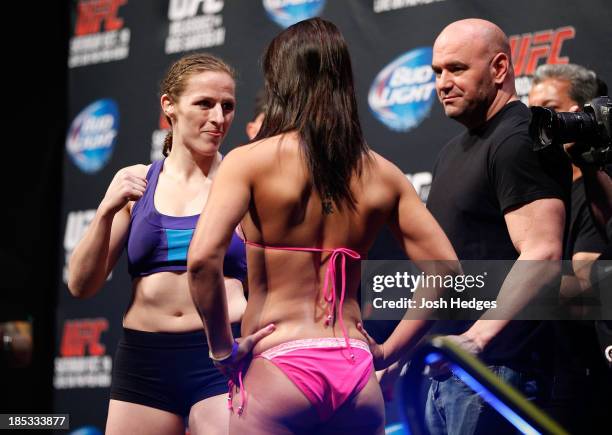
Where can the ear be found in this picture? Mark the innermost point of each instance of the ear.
(500, 66)
(574, 108)
(251, 130)
(167, 105)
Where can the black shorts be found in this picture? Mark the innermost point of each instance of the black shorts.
(165, 370)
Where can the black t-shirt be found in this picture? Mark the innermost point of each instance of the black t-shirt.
(578, 347)
(484, 172)
(480, 175)
(583, 234)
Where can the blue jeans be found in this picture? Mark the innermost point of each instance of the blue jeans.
(453, 408)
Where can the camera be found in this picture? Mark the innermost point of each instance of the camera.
(591, 129)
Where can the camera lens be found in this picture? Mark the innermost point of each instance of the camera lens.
(557, 128)
(573, 126)
(546, 132)
(541, 126)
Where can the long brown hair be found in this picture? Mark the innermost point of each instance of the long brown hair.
(175, 81)
(309, 88)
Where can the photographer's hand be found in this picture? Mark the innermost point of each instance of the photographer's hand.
(586, 156)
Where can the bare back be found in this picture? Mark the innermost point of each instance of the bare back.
(286, 287)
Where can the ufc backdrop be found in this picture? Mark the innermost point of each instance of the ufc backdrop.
(120, 50)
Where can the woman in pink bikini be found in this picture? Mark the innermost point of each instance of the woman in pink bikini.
(311, 197)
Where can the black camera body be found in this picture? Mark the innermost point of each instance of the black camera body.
(591, 129)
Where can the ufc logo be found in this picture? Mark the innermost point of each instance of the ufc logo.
(82, 334)
(528, 49)
(91, 14)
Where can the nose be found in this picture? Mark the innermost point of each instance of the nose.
(215, 115)
(444, 82)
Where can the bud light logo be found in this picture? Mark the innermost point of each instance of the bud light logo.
(92, 135)
(288, 12)
(404, 91)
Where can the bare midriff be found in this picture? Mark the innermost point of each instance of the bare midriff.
(162, 303)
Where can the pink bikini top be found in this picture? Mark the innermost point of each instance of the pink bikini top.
(329, 285)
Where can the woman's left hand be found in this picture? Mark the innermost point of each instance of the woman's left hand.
(377, 350)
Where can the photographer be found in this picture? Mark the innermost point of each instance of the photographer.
(598, 190)
(567, 88)
(586, 137)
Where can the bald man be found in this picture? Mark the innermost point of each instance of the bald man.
(496, 199)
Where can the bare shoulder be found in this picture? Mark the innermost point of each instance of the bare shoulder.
(237, 164)
(235, 157)
(255, 155)
(385, 170)
(382, 163)
(268, 144)
(139, 170)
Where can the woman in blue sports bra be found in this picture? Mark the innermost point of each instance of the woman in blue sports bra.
(162, 372)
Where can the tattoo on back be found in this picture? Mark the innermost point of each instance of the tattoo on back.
(328, 207)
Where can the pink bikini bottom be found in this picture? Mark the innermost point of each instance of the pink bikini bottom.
(324, 369)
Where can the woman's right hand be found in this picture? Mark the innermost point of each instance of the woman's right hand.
(242, 352)
(126, 186)
(98, 250)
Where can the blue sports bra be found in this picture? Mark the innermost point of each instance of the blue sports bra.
(157, 242)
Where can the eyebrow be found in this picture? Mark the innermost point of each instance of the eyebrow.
(210, 97)
(455, 64)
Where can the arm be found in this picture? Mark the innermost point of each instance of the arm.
(536, 230)
(598, 188)
(423, 240)
(578, 284)
(227, 203)
(582, 263)
(96, 254)
(586, 243)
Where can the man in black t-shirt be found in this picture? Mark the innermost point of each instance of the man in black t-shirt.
(496, 199)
